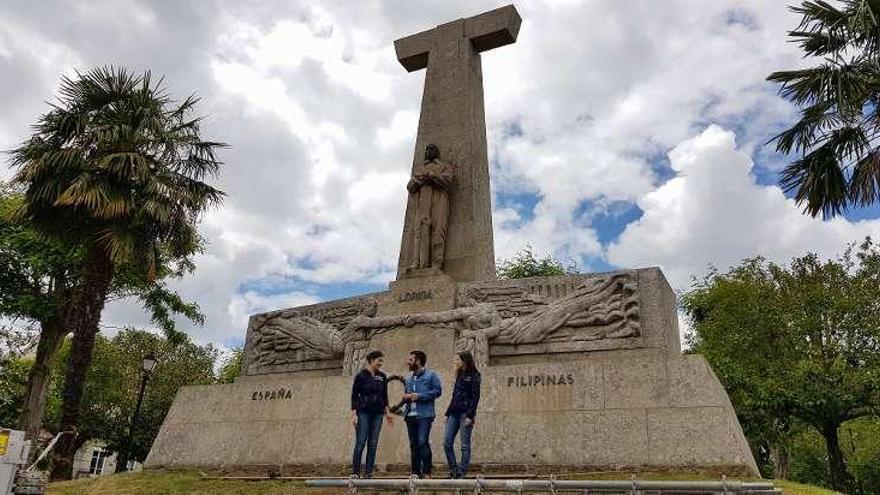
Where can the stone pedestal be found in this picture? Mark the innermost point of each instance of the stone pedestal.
(611, 412)
(607, 389)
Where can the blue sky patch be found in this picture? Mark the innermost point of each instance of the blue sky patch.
(275, 285)
(610, 221)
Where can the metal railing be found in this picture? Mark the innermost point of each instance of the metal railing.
(477, 485)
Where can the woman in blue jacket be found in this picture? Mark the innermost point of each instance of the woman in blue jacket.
(369, 403)
(461, 412)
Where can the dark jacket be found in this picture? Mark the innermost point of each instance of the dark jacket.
(465, 395)
(369, 393)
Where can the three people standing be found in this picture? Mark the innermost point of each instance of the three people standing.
(422, 387)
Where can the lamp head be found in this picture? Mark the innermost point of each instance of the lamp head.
(149, 362)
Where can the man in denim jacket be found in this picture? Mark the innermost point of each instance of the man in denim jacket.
(422, 388)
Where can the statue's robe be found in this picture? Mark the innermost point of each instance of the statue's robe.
(432, 213)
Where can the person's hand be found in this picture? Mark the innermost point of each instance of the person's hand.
(468, 421)
(354, 421)
(390, 420)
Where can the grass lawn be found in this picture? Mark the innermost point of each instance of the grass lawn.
(173, 483)
(188, 482)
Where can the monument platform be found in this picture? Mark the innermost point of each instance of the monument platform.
(573, 400)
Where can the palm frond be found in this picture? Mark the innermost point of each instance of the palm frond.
(865, 181)
(119, 162)
(818, 182)
(837, 134)
(819, 14)
(819, 43)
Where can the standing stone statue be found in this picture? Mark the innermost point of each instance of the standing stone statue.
(430, 184)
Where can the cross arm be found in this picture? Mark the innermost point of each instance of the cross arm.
(486, 31)
(412, 51)
(493, 29)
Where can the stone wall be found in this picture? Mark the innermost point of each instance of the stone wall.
(614, 411)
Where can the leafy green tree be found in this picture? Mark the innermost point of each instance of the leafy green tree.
(836, 138)
(13, 380)
(113, 380)
(800, 342)
(117, 168)
(231, 368)
(37, 274)
(860, 441)
(526, 264)
(734, 329)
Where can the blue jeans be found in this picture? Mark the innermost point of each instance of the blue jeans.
(367, 434)
(454, 424)
(419, 430)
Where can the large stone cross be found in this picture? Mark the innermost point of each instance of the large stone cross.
(448, 224)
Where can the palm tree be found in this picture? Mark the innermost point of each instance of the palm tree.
(116, 167)
(836, 138)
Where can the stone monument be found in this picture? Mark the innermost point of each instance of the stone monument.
(579, 372)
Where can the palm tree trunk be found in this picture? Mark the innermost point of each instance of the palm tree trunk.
(85, 314)
(836, 462)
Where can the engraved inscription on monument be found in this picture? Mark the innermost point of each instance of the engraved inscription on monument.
(416, 295)
(280, 393)
(542, 380)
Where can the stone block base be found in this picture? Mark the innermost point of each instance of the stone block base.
(612, 411)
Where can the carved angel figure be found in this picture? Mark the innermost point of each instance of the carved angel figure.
(607, 306)
(600, 308)
(286, 340)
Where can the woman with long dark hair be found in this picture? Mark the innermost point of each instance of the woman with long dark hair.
(462, 412)
(369, 403)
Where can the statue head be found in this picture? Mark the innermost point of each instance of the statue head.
(432, 152)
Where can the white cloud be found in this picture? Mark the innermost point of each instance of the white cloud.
(713, 212)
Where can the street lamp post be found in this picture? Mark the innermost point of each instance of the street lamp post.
(148, 363)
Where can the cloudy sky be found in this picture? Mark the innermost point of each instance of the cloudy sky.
(621, 133)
